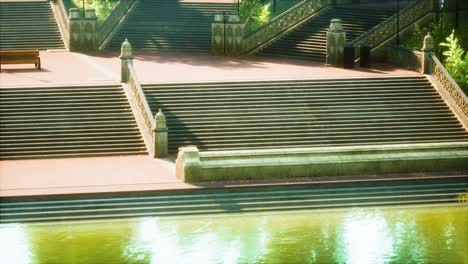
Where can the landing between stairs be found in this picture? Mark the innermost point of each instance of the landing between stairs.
(136, 174)
(60, 68)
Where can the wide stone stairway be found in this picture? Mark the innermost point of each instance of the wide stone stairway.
(308, 41)
(304, 113)
(170, 25)
(67, 122)
(28, 25)
(229, 200)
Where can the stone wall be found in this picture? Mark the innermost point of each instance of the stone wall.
(195, 166)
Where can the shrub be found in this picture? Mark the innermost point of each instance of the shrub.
(456, 60)
(416, 38)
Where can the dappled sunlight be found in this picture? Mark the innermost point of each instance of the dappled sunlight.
(367, 238)
(14, 244)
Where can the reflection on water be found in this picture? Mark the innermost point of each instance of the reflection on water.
(370, 235)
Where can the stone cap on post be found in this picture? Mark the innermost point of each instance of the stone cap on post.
(234, 19)
(219, 18)
(74, 13)
(160, 124)
(90, 14)
(336, 25)
(428, 44)
(126, 50)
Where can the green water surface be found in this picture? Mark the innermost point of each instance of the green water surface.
(435, 234)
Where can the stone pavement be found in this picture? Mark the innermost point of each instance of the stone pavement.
(86, 175)
(136, 173)
(62, 67)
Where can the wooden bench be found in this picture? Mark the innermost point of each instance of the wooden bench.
(20, 57)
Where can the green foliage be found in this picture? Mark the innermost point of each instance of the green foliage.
(262, 14)
(246, 7)
(456, 59)
(258, 13)
(441, 29)
(447, 43)
(102, 7)
(463, 197)
(416, 39)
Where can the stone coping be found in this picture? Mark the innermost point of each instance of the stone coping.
(193, 165)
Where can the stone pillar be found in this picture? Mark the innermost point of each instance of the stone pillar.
(336, 41)
(427, 50)
(217, 35)
(160, 135)
(126, 56)
(234, 42)
(75, 37)
(188, 165)
(89, 30)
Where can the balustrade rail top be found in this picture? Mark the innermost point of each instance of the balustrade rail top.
(454, 84)
(388, 20)
(146, 107)
(279, 16)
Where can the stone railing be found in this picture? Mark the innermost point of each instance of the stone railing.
(450, 91)
(403, 57)
(141, 109)
(193, 165)
(388, 28)
(62, 19)
(281, 23)
(116, 14)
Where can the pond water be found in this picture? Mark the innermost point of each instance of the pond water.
(430, 234)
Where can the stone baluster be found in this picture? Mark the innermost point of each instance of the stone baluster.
(427, 50)
(126, 56)
(160, 135)
(336, 41)
(234, 42)
(89, 30)
(217, 35)
(75, 31)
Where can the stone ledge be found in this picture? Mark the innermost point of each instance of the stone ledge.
(195, 166)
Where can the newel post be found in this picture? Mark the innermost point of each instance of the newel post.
(217, 35)
(89, 30)
(427, 50)
(75, 32)
(336, 41)
(126, 56)
(234, 33)
(160, 135)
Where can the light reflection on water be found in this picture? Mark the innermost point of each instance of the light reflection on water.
(369, 235)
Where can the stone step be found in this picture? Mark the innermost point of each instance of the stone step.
(40, 122)
(308, 41)
(170, 26)
(28, 25)
(270, 114)
(246, 199)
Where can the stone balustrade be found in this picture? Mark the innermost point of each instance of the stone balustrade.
(153, 128)
(193, 165)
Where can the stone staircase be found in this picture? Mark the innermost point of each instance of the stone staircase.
(304, 113)
(67, 122)
(308, 41)
(28, 25)
(170, 25)
(442, 189)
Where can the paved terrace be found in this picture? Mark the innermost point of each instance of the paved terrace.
(138, 173)
(62, 67)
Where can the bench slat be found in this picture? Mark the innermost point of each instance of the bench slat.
(20, 57)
